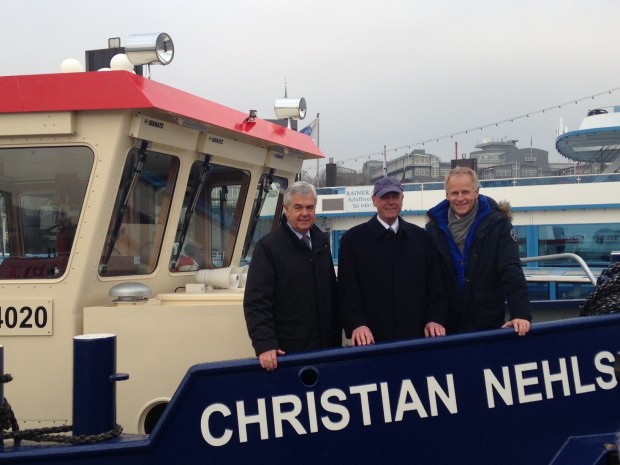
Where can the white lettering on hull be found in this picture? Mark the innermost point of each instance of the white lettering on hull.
(538, 381)
(303, 417)
(335, 409)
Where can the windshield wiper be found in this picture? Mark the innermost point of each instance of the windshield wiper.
(194, 195)
(128, 188)
(265, 187)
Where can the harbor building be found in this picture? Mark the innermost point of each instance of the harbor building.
(493, 159)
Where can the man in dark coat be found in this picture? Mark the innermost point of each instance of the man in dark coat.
(290, 301)
(480, 258)
(388, 275)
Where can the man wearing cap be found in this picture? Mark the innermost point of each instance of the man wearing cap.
(388, 275)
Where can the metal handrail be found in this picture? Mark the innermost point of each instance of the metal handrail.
(559, 256)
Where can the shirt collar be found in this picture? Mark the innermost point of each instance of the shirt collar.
(297, 233)
(386, 226)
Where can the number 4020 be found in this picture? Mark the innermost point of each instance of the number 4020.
(25, 317)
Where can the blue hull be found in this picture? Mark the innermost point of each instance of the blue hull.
(483, 398)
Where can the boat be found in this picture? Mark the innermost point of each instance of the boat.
(115, 188)
(129, 210)
(596, 142)
(478, 398)
(571, 217)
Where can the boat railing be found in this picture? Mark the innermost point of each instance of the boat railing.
(563, 256)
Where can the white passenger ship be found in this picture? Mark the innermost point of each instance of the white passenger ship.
(577, 214)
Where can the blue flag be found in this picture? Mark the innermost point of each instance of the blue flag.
(311, 130)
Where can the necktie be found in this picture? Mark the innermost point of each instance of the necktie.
(306, 240)
(391, 232)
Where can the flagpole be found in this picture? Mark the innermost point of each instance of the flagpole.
(318, 144)
(384, 161)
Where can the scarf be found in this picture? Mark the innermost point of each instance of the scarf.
(459, 227)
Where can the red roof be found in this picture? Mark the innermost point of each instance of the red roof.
(113, 90)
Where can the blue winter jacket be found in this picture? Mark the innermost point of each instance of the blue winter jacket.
(486, 280)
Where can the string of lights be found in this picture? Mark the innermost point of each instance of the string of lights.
(451, 135)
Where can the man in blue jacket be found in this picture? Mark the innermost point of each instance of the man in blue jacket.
(480, 258)
(290, 300)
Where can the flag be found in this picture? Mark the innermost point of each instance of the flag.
(312, 130)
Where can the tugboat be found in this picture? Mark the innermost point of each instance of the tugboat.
(115, 188)
(129, 211)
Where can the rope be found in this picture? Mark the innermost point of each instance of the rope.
(7, 418)
(606, 296)
(49, 434)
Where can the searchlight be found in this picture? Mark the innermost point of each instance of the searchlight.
(294, 108)
(149, 49)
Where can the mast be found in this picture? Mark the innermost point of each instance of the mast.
(318, 144)
(384, 161)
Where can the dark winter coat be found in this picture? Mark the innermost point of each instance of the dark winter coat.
(291, 300)
(390, 283)
(487, 274)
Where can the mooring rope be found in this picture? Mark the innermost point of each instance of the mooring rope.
(48, 434)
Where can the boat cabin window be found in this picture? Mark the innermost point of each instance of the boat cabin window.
(136, 230)
(591, 241)
(42, 191)
(209, 222)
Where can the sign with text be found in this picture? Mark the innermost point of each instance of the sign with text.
(358, 198)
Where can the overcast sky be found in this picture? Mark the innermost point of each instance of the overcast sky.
(389, 73)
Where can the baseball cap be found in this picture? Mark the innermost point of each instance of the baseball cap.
(385, 185)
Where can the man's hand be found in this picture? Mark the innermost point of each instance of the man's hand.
(362, 335)
(434, 329)
(269, 359)
(520, 326)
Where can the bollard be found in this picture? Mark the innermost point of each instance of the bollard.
(94, 388)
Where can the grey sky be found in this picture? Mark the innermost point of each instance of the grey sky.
(391, 72)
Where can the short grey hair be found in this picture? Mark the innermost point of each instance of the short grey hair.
(300, 187)
(462, 170)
